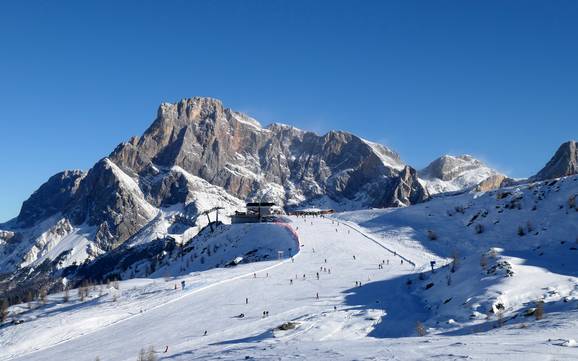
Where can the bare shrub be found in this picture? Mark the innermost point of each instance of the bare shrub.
(500, 318)
(484, 261)
(455, 261)
(3, 310)
(420, 329)
(431, 235)
(148, 355)
(521, 231)
(572, 201)
(479, 228)
(539, 312)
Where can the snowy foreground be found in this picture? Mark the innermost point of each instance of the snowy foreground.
(478, 312)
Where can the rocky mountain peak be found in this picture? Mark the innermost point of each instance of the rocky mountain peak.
(563, 163)
(451, 173)
(190, 110)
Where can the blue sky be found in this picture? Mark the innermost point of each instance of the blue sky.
(496, 79)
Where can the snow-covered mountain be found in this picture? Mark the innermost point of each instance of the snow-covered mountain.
(196, 155)
(454, 173)
(146, 196)
(504, 286)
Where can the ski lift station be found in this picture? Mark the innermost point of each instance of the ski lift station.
(256, 212)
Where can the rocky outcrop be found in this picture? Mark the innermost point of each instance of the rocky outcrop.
(493, 182)
(52, 197)
(233, 151)
(113, 202)
(405, 189)
(562, 164)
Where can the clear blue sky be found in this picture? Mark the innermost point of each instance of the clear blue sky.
(496, 79)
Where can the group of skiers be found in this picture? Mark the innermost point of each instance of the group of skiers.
(317, 274)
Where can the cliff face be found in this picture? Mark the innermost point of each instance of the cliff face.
(233, 151)
(563, 163)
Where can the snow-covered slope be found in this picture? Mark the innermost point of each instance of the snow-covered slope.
(498, 255)
(450, 174)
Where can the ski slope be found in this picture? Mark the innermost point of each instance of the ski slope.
(374, 321)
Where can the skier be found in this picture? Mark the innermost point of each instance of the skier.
(205, 334)
(292, 260)
(183, 284)
(291, 282)
(401, 261)
(317, 295)
(166, 349)
(317, 275)
(326, 260)
(354, 257)
(254, 275)
(246, 300)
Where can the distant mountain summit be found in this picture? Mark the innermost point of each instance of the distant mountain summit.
(563, 163)
(453, 173)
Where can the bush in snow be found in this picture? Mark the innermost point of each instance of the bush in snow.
(539, 312)
(420, 329)
(3, 310)
(500, 318)
(455, 261)
(479, 228)
(572, 201)
(484, 261)
(521, 231)
(149, 355)
(431, 235)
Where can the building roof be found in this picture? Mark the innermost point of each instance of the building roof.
(260, 204)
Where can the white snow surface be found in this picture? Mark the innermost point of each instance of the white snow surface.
(482, 310)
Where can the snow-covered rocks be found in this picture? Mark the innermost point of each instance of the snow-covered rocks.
(454, 173)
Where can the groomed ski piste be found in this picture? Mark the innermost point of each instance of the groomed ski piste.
(359, 288)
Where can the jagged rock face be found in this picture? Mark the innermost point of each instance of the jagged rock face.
(233, 151)
(52, 197)
(449, 173)
(563, 163)
(405, 189)
(113, 202)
